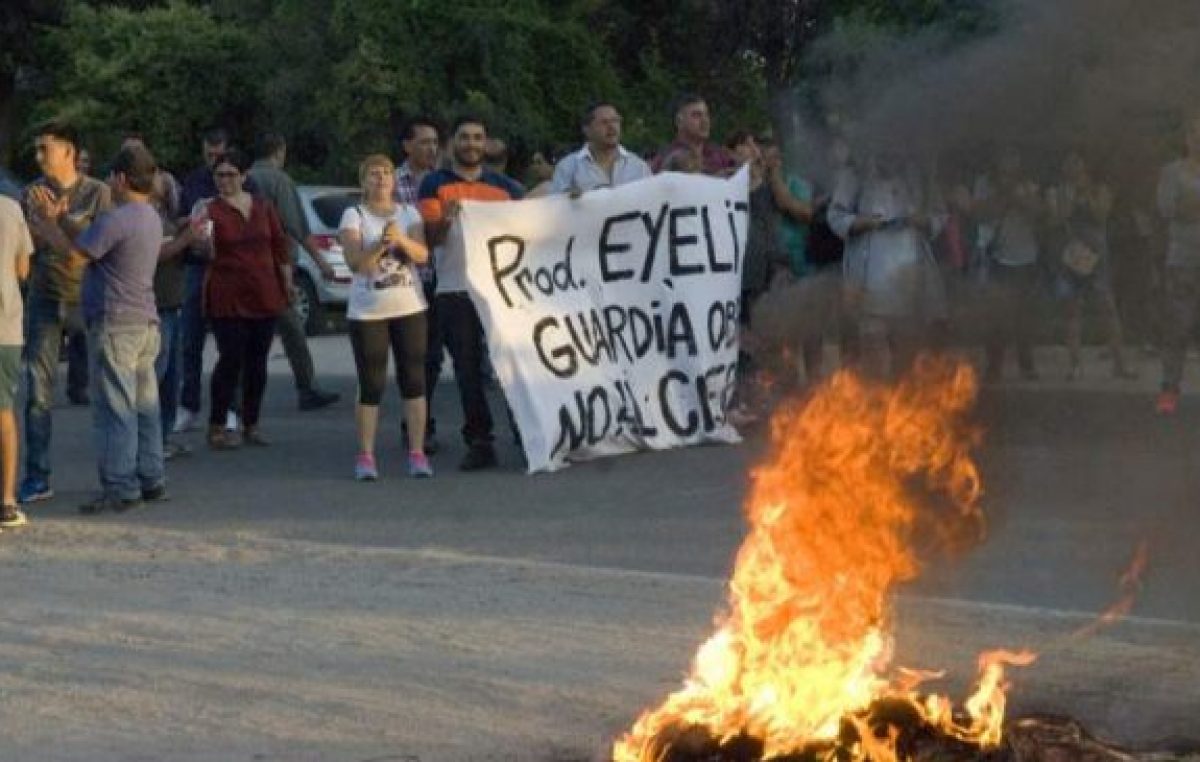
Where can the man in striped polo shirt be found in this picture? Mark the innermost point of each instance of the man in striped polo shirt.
(441, 195)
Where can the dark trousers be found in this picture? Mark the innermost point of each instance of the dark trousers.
(435, 354)
(464, 339)
(295, 346)
(370, 340)
(77, 365)
(166, 366)
(1014, 291)
(242, 348)
(193, 332)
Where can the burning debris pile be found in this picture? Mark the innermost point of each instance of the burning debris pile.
(1030, 739)
(863, 482)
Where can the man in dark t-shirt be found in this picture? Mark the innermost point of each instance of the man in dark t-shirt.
(52, 308)
(121, 250)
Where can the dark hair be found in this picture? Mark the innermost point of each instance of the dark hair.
(589, 113)
(234, 156)
(269, 144)
(468, 119)
(685, 100)
(60, 130)
(216, 136)
(410, 127)
(137, 164)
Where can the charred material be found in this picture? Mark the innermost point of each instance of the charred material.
(1030, 739)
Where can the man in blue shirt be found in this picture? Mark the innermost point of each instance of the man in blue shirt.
(121, 248)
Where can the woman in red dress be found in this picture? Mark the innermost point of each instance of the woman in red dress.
(247, 287)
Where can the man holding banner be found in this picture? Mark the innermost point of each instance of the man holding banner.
(612, 319)
(441, 196)
(602, 162)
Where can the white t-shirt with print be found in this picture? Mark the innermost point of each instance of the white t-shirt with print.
(393, 287)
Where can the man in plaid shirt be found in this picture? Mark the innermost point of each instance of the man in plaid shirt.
(421, 141)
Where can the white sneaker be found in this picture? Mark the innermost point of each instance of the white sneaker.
(185, 420)
(231, 421)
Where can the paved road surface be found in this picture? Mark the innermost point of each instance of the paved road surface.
(1076, 475)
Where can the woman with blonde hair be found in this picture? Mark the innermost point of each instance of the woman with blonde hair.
(384, 241)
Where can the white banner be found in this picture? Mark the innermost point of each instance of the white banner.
(612, 319)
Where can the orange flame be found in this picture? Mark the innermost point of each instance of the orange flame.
(1129, 584)
(857, 476)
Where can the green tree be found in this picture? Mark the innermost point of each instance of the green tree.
(521, 66)
(339, 77)
(20, 21)
(167, 72)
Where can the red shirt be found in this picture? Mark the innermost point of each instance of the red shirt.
(244, 277)
(714, 160)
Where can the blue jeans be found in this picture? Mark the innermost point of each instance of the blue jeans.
(166, 366)
(46, 321)
(126, 420)
(194, 330)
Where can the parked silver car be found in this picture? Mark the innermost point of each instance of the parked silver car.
(317, 298)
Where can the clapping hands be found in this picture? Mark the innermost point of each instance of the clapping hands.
(45, 204)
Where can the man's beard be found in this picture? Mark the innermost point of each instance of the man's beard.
(464, 162)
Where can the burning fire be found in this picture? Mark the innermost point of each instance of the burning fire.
(860, 476)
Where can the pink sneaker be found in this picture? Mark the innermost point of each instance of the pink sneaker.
(418, 465)
(364, 468)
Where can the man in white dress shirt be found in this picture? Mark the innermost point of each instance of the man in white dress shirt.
(602, 162)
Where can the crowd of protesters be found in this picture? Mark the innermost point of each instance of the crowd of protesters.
(128, 276)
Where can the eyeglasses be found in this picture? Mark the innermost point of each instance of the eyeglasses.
(227, 173)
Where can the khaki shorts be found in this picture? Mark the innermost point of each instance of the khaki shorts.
(10, 375)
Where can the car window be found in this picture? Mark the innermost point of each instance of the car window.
(329, 207)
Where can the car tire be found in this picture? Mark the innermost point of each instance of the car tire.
(308, 305)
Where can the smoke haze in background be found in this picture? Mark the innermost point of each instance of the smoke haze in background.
(1112, 77)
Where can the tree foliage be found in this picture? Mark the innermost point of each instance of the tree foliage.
(339, 77)
(166, 72)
